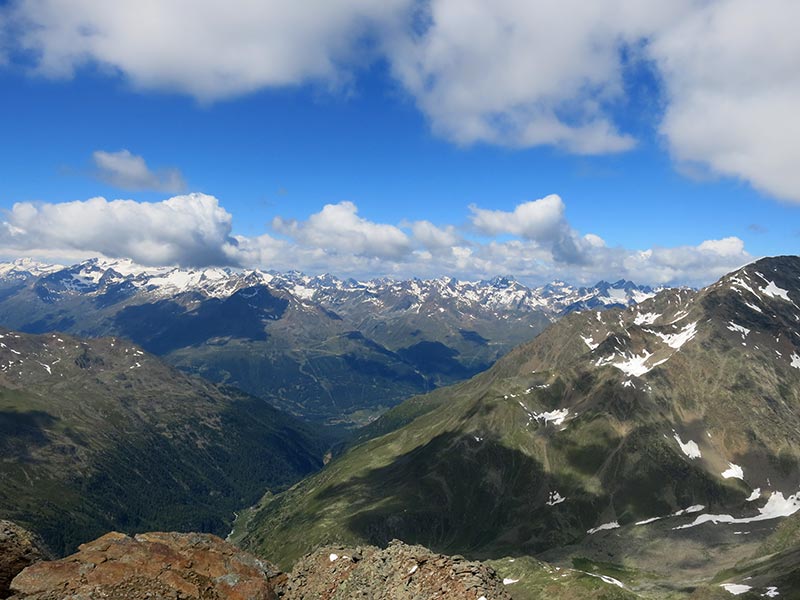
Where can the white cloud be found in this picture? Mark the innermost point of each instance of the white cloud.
(694, 265)
(535, 220)
(433, 237)
(337, 228)
(188, 230)
(733, 81)
(206, 48)
(541, 221)
(130, 172)
(194, 230)
(522, 73)
(516, 73)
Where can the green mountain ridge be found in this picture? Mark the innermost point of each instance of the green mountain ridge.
(98, 435)
(613, 436)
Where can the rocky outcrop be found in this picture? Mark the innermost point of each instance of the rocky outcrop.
(193, 566)
(400, 572)
(19, 548)
(160, 566)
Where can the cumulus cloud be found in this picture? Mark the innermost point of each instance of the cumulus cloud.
(130, 172)
(733, 80)
(516, 73)
(208, 49)
(338, 228)
(541, 221)
(521, 73)
(187, 230)
(435, 238)
(695, 265)
(195, 230)
(534, 220)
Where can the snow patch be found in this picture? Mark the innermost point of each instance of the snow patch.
(637, 365)
(509, 581)
(735, 588)
(776, 507)
(554, 498)
(604, 526)
(607, 579)
(738, 328)
(646, 318)
(771, 592)
(755, 495)
(733, 472)
(754, 307)
(676, 340)
(795, 360)
(688, 510)
(589, 342)
(557, 417)
(690, 448)
(773, 291)
(413, 569)
(333, 557)
(685, 511)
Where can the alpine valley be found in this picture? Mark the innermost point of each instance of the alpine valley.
(612, 442)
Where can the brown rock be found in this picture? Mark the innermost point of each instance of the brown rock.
(19, 548)
(400, 572)
(160, 566)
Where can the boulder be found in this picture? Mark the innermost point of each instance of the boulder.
(159, 566)
(19, 548)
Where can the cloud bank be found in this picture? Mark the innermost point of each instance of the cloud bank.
(516, 73)
(188, 230)
(534, 242)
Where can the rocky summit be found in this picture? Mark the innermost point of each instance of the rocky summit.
(399, 572)
(192, 566)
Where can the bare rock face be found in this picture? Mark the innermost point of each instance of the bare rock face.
(159, 566)
(19, 548)
(400, 572)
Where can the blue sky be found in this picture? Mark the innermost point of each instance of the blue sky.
(637, 162)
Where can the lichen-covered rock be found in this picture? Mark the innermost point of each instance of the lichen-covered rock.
(19, 548)
(400, 572)
(158, 566)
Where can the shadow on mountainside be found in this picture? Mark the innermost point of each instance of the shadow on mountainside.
(461, 494)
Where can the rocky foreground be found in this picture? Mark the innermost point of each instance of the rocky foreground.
(19, 548)
(189, 566)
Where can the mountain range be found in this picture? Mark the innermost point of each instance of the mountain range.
(657, 445)
(641, 448)
(333, 351)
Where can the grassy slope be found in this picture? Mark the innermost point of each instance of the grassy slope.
(468, 471)
(101, 444)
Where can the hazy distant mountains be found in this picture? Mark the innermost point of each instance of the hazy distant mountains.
(658, 444)
(331, 350)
